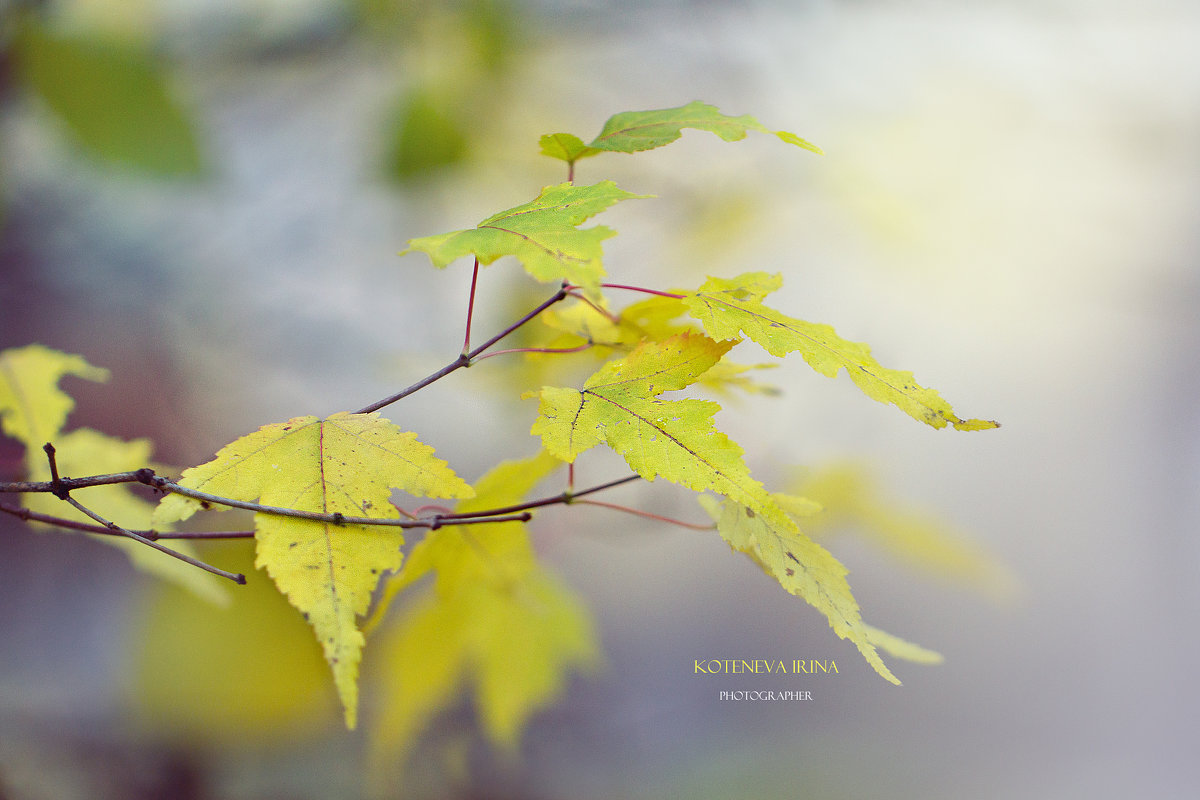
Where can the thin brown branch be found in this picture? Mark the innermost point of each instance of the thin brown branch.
(647, 515)
(71, 484)
(464, 359)
(236, 577)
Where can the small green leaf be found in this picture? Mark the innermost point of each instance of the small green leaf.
(112, 98)
(634, 131)
(543, 234)
(565, 147)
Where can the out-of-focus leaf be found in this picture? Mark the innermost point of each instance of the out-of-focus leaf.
(428, 135)
(227, 677)
(32, 407)
(113, 99)
(34, 410)
(851, 499)
(500, 622)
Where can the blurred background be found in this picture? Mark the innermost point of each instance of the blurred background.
(207, 198)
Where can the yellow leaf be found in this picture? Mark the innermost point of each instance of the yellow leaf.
(672, 438)
(524, 641)
(727, 375)
(459, 553)
(729, 308)
(422, 660)
(32, 407)
(801, 566)
(348, 464)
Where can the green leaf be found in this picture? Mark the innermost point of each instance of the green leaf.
(729, 308)
(542, 234)
(349, 464)
(428, 134)
(112, 98)
(634, 131)
(565, 147)
(33, 409)
(801, 566)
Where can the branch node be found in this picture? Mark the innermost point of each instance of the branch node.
(57, 488)
(338, 518)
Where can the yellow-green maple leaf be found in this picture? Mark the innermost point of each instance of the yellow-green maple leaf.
(808, 571)
(676, 439)
(497, 620)
(543, 234)
(634, 131)
(348, 464)
(729, 308)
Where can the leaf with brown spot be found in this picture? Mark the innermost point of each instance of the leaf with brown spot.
(348, 464)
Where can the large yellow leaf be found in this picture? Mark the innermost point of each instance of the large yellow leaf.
(348, 464)
(729, 308)
(676, 439)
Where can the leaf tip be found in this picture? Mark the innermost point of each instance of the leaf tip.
(792, 138)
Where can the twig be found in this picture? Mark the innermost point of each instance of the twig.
(647, 515)
(464, 359)
(236, 577)
(564, 498)
(551, 350)
(71, 484)
(466, 348)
